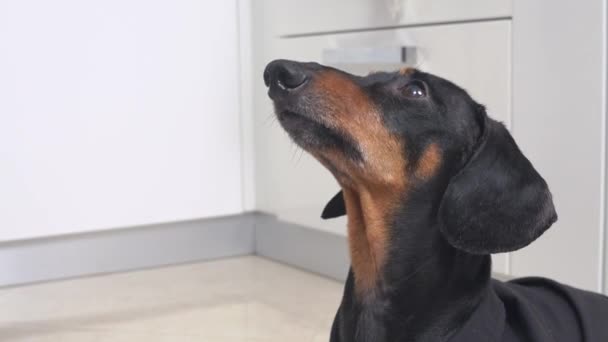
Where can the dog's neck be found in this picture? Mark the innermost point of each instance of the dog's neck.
(406, 282)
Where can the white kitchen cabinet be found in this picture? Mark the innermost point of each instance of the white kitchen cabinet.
(476, 56)
(117, 113)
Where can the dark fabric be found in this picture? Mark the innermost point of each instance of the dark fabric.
(537, 310)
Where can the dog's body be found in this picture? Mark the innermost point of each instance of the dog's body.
(526, 309)
(431, 187)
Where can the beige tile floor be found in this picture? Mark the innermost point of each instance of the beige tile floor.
(238, 299)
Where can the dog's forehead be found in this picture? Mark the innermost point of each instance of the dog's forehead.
(381, 77)
(384, 77)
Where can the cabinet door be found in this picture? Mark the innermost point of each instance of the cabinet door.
(115, 114)
(476, 56)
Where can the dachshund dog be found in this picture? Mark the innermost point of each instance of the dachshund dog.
(431, 186)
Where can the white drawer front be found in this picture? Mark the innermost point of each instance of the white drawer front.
(294, 16)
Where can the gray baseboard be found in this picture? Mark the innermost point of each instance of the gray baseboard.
(62, 257)
(69, 256)
(125, 249)
(306, 248)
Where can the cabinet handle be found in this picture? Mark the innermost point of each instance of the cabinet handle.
(373, 57)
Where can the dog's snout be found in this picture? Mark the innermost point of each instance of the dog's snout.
(285, 76)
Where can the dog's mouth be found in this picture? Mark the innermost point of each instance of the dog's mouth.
(292, 115)
(316, 135)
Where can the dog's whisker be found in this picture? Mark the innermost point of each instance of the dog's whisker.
(300, 157)
(270, 119)
(294, 149)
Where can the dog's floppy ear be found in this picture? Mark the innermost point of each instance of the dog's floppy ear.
(498, 202)
(335, 207)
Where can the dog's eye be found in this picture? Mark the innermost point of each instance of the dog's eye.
(414, 89)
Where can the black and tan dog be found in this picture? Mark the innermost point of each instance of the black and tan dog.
(431, 187)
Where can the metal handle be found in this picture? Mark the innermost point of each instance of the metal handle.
(375, 57)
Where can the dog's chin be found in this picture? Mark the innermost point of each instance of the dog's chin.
(315, 136)
(307, 133)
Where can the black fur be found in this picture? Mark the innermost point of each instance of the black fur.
(486, 197)
(335, 207)
(497, 202)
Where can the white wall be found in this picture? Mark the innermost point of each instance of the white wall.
(117, 113)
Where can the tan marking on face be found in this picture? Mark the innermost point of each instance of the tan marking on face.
(406, 71)
(372, 190)
(349, 109)
(429, 162)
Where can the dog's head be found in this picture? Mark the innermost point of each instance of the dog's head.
(394, 132)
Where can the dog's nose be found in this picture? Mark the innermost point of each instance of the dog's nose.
(285, 76)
